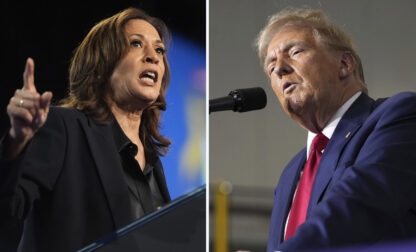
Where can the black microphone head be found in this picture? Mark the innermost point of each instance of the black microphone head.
(249, 99)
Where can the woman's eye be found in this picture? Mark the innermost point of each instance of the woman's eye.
(136, 43)
(160, 50)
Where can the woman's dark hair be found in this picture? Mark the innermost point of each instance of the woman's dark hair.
(92, 65)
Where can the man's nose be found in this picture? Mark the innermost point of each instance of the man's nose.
(282, 68)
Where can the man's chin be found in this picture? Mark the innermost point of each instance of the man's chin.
(294, 107)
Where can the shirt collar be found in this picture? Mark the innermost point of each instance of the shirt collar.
(120, 139)
(122, 142)
(329, 129)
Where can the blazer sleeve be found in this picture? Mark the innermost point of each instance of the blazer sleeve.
(373, 197)
(25, 179)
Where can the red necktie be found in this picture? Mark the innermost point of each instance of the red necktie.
(303, 193)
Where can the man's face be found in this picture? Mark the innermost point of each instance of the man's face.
(304, 75)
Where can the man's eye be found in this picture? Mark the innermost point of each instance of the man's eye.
(271, 70)
(136, 43)
(295, 52)
(160, 50)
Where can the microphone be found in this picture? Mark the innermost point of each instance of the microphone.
(240, 100)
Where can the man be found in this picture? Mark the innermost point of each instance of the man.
(355, 180)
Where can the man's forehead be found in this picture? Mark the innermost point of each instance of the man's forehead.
(287, 37)
(290, 35)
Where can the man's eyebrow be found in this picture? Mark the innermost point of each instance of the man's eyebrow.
(270, 57)
(142, 37)
(285, 47)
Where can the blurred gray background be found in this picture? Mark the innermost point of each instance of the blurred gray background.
(251, 149)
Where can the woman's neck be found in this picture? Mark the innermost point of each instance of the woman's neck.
(128, 121)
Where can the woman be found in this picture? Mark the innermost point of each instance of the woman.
(80, 171)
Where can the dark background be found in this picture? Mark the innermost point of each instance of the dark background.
(49, 31)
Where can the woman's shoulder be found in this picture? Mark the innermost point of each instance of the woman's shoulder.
(68, 115)
(71, 116)
(65, 112)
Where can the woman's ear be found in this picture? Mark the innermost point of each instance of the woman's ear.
(347, 65)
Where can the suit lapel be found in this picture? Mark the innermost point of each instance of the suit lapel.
(347, 127)
(284, 192)
(109, 169)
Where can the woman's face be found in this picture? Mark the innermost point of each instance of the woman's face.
(137, 77)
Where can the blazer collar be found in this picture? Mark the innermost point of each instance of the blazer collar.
(109, 169)
(152, 159)
(160, 179)
(345, 130)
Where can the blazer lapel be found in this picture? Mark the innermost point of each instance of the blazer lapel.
(347, 127)
(161, 180)
(285, 190)
(109, 169)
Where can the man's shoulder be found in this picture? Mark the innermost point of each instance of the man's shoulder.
(398, 99)
(396, 105)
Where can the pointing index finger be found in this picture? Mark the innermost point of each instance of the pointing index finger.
(29, 75)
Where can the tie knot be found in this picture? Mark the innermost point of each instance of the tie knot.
(319, 142)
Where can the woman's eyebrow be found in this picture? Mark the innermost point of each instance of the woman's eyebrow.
(142, 36)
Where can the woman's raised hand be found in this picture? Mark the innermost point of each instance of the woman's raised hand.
(27, 111)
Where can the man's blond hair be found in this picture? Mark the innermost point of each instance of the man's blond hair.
(323, 30)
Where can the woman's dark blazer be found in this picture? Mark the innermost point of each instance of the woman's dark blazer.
(68, 184)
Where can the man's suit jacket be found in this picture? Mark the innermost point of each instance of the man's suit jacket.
(68, 184)
(365, 187)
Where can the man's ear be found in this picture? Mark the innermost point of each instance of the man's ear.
(347, 65)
